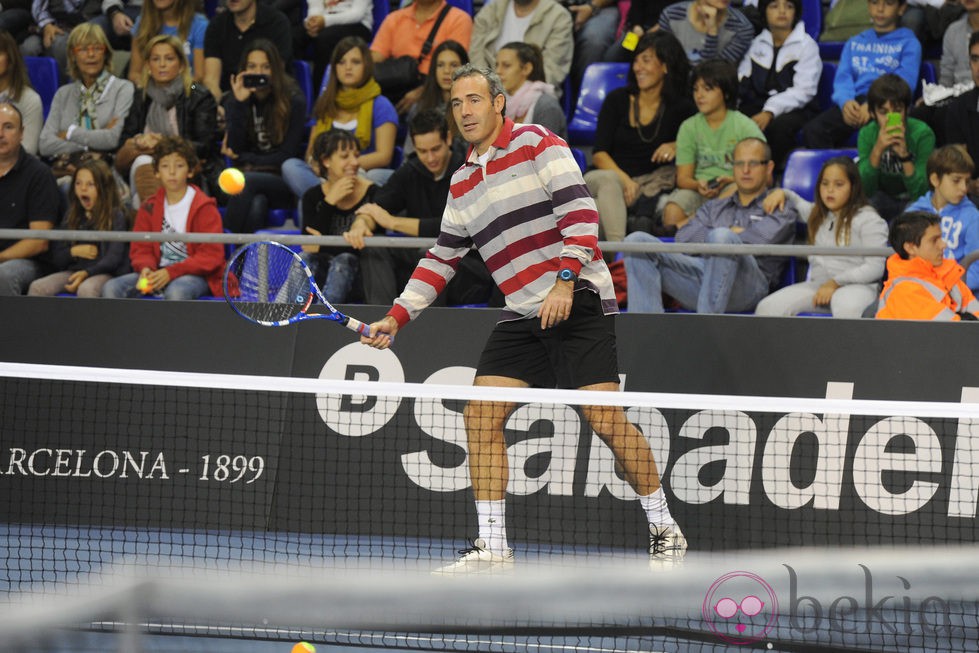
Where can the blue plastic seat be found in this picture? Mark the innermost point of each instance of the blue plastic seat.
(824, 92)
(831, 50)
(303, 73)
(381, 9)
(599, 79)
(803, 166)
(812, 17)
(43, 72)
(566, 97)
(465, 5)
(927, 74)
(579, 157)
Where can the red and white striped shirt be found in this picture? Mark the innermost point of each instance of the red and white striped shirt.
(529, 214)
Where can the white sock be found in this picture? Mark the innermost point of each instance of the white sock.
(492, 524)
(657, 512)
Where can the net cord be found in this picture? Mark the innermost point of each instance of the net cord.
(657, 400)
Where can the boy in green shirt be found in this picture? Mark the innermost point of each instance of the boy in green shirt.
(705, 142)
(894, 148)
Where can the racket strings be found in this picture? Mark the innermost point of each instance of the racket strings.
(268, 284)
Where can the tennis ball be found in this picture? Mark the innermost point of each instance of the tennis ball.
(144, 286)
(303, 647)
(231, 181)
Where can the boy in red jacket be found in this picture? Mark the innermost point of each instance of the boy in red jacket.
(174, 269)
(922, 284)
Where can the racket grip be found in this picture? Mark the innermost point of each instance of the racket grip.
(361, 328)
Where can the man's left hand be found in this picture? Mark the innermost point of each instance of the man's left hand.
(557, 305)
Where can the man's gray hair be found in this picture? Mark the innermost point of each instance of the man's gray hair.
(492, 80)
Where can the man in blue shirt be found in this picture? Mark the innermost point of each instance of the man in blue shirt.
(716, 284)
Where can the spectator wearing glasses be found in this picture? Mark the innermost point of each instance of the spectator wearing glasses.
(722, 283)
(88, 114)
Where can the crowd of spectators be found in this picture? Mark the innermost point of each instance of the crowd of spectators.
(692, 147)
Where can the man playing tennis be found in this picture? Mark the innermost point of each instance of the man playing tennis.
(521, 199)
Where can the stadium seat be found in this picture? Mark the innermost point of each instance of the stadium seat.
(803, 166)
(465, 5)
(927, 74)
(304, 78)
(566, 97)
(381, 9)
(43, 72)
(824, 93)
(812, 17)
(830, 50)
(278, 217)
(579, 157)
(599, 79)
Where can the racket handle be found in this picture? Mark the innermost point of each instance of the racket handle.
(360, 327)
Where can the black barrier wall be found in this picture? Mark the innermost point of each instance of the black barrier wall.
(397, 477)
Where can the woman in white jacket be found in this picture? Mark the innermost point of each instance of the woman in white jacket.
(780, 76)
(841, 217)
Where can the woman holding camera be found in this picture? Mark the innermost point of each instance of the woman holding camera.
(169, 104)
(268, 112)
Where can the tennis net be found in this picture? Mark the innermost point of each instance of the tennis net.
(235, 500)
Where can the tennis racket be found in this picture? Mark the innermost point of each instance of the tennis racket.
(269, 284)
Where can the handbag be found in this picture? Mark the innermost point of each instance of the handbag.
(398, 75)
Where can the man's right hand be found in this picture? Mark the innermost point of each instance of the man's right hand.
(382, 333)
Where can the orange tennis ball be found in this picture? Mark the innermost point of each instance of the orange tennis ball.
(303, 647)
(232, 181)
(144, 286)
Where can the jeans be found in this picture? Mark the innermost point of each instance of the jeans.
(710, 284)
(341, 273)
(186, 287)
(594, 38)
(17, 274)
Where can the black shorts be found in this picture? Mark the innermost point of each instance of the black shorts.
(578, 352)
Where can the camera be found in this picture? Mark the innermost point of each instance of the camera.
(254, 81)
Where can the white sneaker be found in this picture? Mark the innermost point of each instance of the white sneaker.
(667, 547)
(477, 559)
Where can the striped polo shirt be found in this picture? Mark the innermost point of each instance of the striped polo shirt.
(529, 214)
